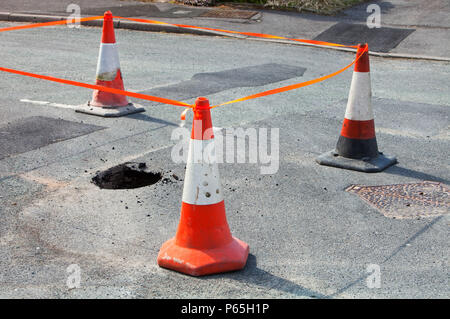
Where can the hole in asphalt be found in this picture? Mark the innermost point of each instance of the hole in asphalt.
(126, 176)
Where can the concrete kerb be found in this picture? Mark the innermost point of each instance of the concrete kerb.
(19, 17)
(4, 16)
(120, 24)
(131, 25)
(373, 53)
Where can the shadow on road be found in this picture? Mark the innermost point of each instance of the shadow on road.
(402, 171)
(146, 118)
(253, 275)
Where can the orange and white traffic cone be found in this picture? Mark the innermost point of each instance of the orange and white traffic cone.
(357, 145)
(109, 75)
(203, 243)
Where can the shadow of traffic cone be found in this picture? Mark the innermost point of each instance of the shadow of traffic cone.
(203, 243)
(357, 147)
(109, 75)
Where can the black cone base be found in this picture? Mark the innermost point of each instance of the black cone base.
(367, 165)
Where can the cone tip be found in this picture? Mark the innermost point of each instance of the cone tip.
(108, 28)
(362, 65)
(362, 45)
(202, 103)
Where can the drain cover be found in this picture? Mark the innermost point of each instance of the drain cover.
(425, 199)
(227, 13)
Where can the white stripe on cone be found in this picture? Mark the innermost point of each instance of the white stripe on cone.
(108, 62)
(202, 180)
(359, 105)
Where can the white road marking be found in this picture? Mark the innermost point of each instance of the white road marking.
(34, 102)
(181, 12)
(64, 106)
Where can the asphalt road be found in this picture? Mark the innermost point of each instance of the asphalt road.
(307, 236)
(411, 28)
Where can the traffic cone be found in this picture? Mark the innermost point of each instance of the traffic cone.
(108, 74)
(203, 243)
(357, 145)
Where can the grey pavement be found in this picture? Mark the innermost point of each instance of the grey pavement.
(308, 237)
(408, 28)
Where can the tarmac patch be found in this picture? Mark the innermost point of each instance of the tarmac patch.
(34, 132)
(379, 39)
(202, 84)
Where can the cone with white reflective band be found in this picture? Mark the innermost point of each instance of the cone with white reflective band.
(203, 243)
(357, 147)
(109, 75)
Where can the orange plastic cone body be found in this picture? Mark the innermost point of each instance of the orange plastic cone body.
(203, 243)
(108, 68)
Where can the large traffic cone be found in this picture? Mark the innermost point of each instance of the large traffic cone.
(357, 145)
(108, 74)
(203, 243)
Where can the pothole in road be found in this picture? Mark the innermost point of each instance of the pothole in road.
(126, 176)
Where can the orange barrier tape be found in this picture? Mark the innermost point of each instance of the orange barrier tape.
(45, 24)
(183, 114)
(98, 87)
(259, 35)
(252, 34)
(168, 101)
(178, 103)
(292, 86)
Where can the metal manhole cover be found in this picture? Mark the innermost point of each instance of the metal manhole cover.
(425, 199)
(227, 13)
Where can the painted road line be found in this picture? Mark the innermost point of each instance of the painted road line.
(60, 105)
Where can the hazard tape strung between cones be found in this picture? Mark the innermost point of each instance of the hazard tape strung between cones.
(185, 26)
(46, 24)
(174, 102)
(292, 86)
(98, 87)
(252, 34)
(164, 100)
